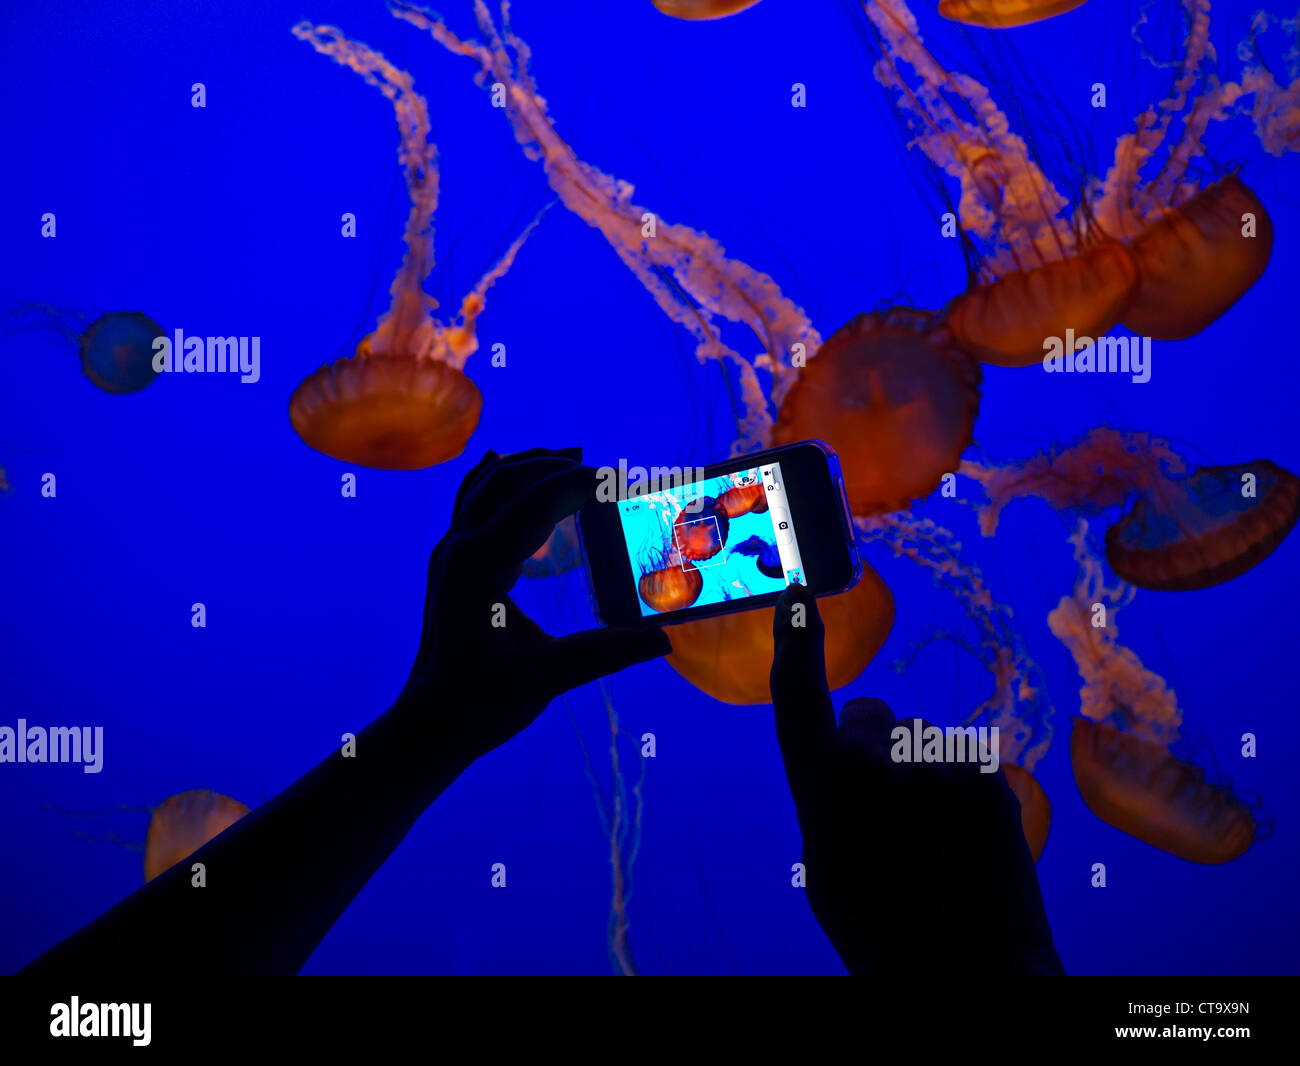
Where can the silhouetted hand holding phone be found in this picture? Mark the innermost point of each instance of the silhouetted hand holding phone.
(278, 879)
(917, 868)
(483, 664)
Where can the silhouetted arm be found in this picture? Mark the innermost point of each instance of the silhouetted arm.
(278, 879)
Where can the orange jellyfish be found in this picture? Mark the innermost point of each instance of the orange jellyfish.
(1204, 529)
(1147, 792)
(1000, 14)
(1146, 246)
(1181, 530)
(116, 349)
(184, 823)
(895, 397)
(1121, 748)
(402, 402)
(703, 9)
(730, 657)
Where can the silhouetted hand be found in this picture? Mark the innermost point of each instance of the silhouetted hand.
(911, 867)
(481, 659)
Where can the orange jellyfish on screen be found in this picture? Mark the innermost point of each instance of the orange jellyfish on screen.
(1179, 530)
(1149, 246)
(183, 824)
(895, 397)
(666, 584)
(701, 529)
(1123, 748)
(402, 402)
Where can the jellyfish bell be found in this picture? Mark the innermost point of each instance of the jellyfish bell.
(698, 10)
(730, 656)
(701, 529)
(1007, 321)
(1201, 530)
(184, 823)
(1035, 808)
(117, 351)
(671, 588)
(895, 396)
(1001, 14)
(1140, 788)
(384, 411)
(1198, 260)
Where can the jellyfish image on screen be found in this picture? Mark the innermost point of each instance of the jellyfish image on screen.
(764, 553)
(665, 584)
(700, 531)
(402, 402)
(116, 348)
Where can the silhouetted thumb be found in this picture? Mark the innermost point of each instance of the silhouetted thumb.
(582, 657)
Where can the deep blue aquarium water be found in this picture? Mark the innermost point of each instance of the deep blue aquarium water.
(225, 220)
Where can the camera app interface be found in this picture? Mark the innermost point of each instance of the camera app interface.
(705, 542)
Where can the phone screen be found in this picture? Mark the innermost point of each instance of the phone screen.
(704, 542)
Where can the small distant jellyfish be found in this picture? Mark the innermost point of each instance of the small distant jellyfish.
(684, 270)
(897, 399)
(116, 349)
(184, 823)
(402, 402)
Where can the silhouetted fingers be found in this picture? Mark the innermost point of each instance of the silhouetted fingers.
(505, 479)
(582, 657)
(523, 523)
(805, 717)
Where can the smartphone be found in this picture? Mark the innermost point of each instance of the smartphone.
(670, 544)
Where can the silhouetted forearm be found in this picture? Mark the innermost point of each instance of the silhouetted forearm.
(279, 878)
